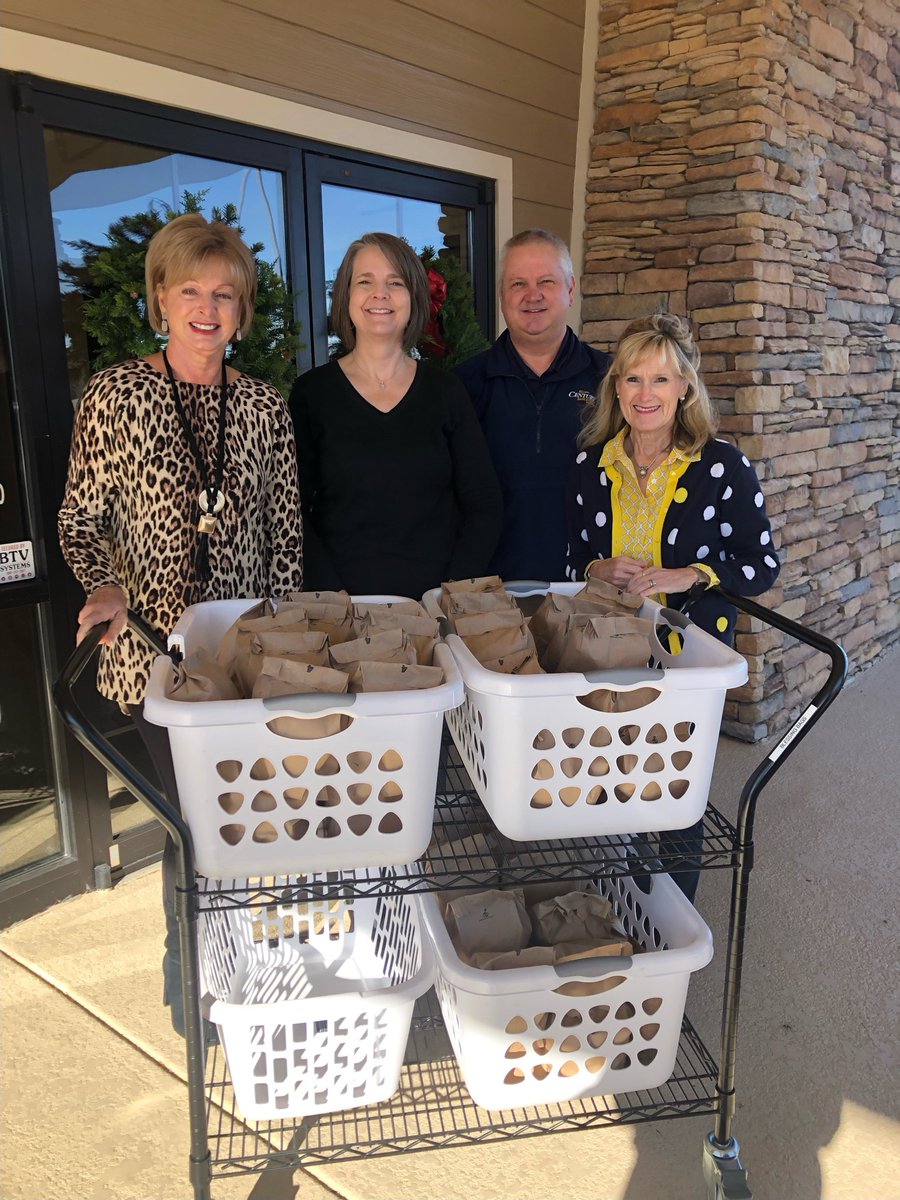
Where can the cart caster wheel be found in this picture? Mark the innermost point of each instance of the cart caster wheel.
(723, 1174)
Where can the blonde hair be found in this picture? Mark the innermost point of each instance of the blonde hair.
(696, 419)
(177, 252)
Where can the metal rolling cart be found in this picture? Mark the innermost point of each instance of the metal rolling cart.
(432, 1107)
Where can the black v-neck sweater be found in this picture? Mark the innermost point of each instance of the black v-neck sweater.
(396, 502)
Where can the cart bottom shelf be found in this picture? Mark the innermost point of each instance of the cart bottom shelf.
(433, 1109)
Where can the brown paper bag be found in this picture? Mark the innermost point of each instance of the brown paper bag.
(489, 920)
(506, 960)
(422, 631)
(293, 677)
(391, 646)
(607, 700)
(339, 630)
(461, 603)
(549, 619)
(599, 948)
(375, 609)
(479, 583)
(522, 662)
(471, 624)
(615, 599)
(599, 643)
(310, 600)
(199, 677)
(393, 677)
(500, 643)
(254, 645)
(576, 916)
(305, 679)
(228, 646)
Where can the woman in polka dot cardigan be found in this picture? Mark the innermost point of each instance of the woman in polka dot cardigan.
(656, 504)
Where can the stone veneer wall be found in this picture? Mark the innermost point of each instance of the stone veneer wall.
(745, 169)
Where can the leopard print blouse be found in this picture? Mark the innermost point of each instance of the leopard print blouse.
(129, 513)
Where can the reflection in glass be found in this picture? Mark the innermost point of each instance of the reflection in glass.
(29, 824)
(347, 213)
(96, 181)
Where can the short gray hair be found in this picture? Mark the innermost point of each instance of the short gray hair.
(530, 237)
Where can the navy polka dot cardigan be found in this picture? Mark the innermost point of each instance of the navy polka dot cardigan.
(713, 512)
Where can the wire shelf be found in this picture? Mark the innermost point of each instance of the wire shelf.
(432, 1109)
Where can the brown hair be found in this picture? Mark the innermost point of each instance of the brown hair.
(696, 419)
(185, 244)
(408, 266)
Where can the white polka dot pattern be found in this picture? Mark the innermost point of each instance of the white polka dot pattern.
(725, 529)
(603, 480)
(717, 470)
(581, 457)
(758, 500)
(745, 460)
(584, 535)
(673, 534)
(728, 493)
(600, 519)
(770, 561)
(764, 538)
(702, 552)
(748, 571)
(579, 499)
(709, 512)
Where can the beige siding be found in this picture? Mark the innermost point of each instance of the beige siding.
(502, 76)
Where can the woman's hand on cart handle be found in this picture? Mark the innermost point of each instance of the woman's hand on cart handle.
(107, 604)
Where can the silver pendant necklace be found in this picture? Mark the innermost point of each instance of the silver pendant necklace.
(643, 471)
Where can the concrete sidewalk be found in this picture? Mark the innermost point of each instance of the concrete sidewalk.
(94, 1096)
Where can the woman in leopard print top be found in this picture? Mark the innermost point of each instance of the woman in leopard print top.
(182, 486)
(128, 524)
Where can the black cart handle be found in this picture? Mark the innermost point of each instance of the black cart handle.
(100, 746)
(790, 740)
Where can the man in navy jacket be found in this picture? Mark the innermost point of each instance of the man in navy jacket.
(529, 390)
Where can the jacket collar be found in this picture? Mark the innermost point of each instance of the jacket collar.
(572, 358)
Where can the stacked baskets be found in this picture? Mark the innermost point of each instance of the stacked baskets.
(551, 757)
(314, 998)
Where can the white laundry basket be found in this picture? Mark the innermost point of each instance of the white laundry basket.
(546, 1035)
(261, 796)
(548, 765)
(313, 999)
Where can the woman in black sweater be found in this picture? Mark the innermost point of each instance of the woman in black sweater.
(396, 484)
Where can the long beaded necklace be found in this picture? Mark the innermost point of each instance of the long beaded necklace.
(209, 509)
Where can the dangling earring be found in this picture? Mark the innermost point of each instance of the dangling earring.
(237, 334)
(163, 325)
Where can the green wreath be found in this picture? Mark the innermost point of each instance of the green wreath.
(110, 281)
(452, 333)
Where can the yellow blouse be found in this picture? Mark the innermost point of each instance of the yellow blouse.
(641, 513)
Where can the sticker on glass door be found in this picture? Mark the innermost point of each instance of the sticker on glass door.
(16, 561)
